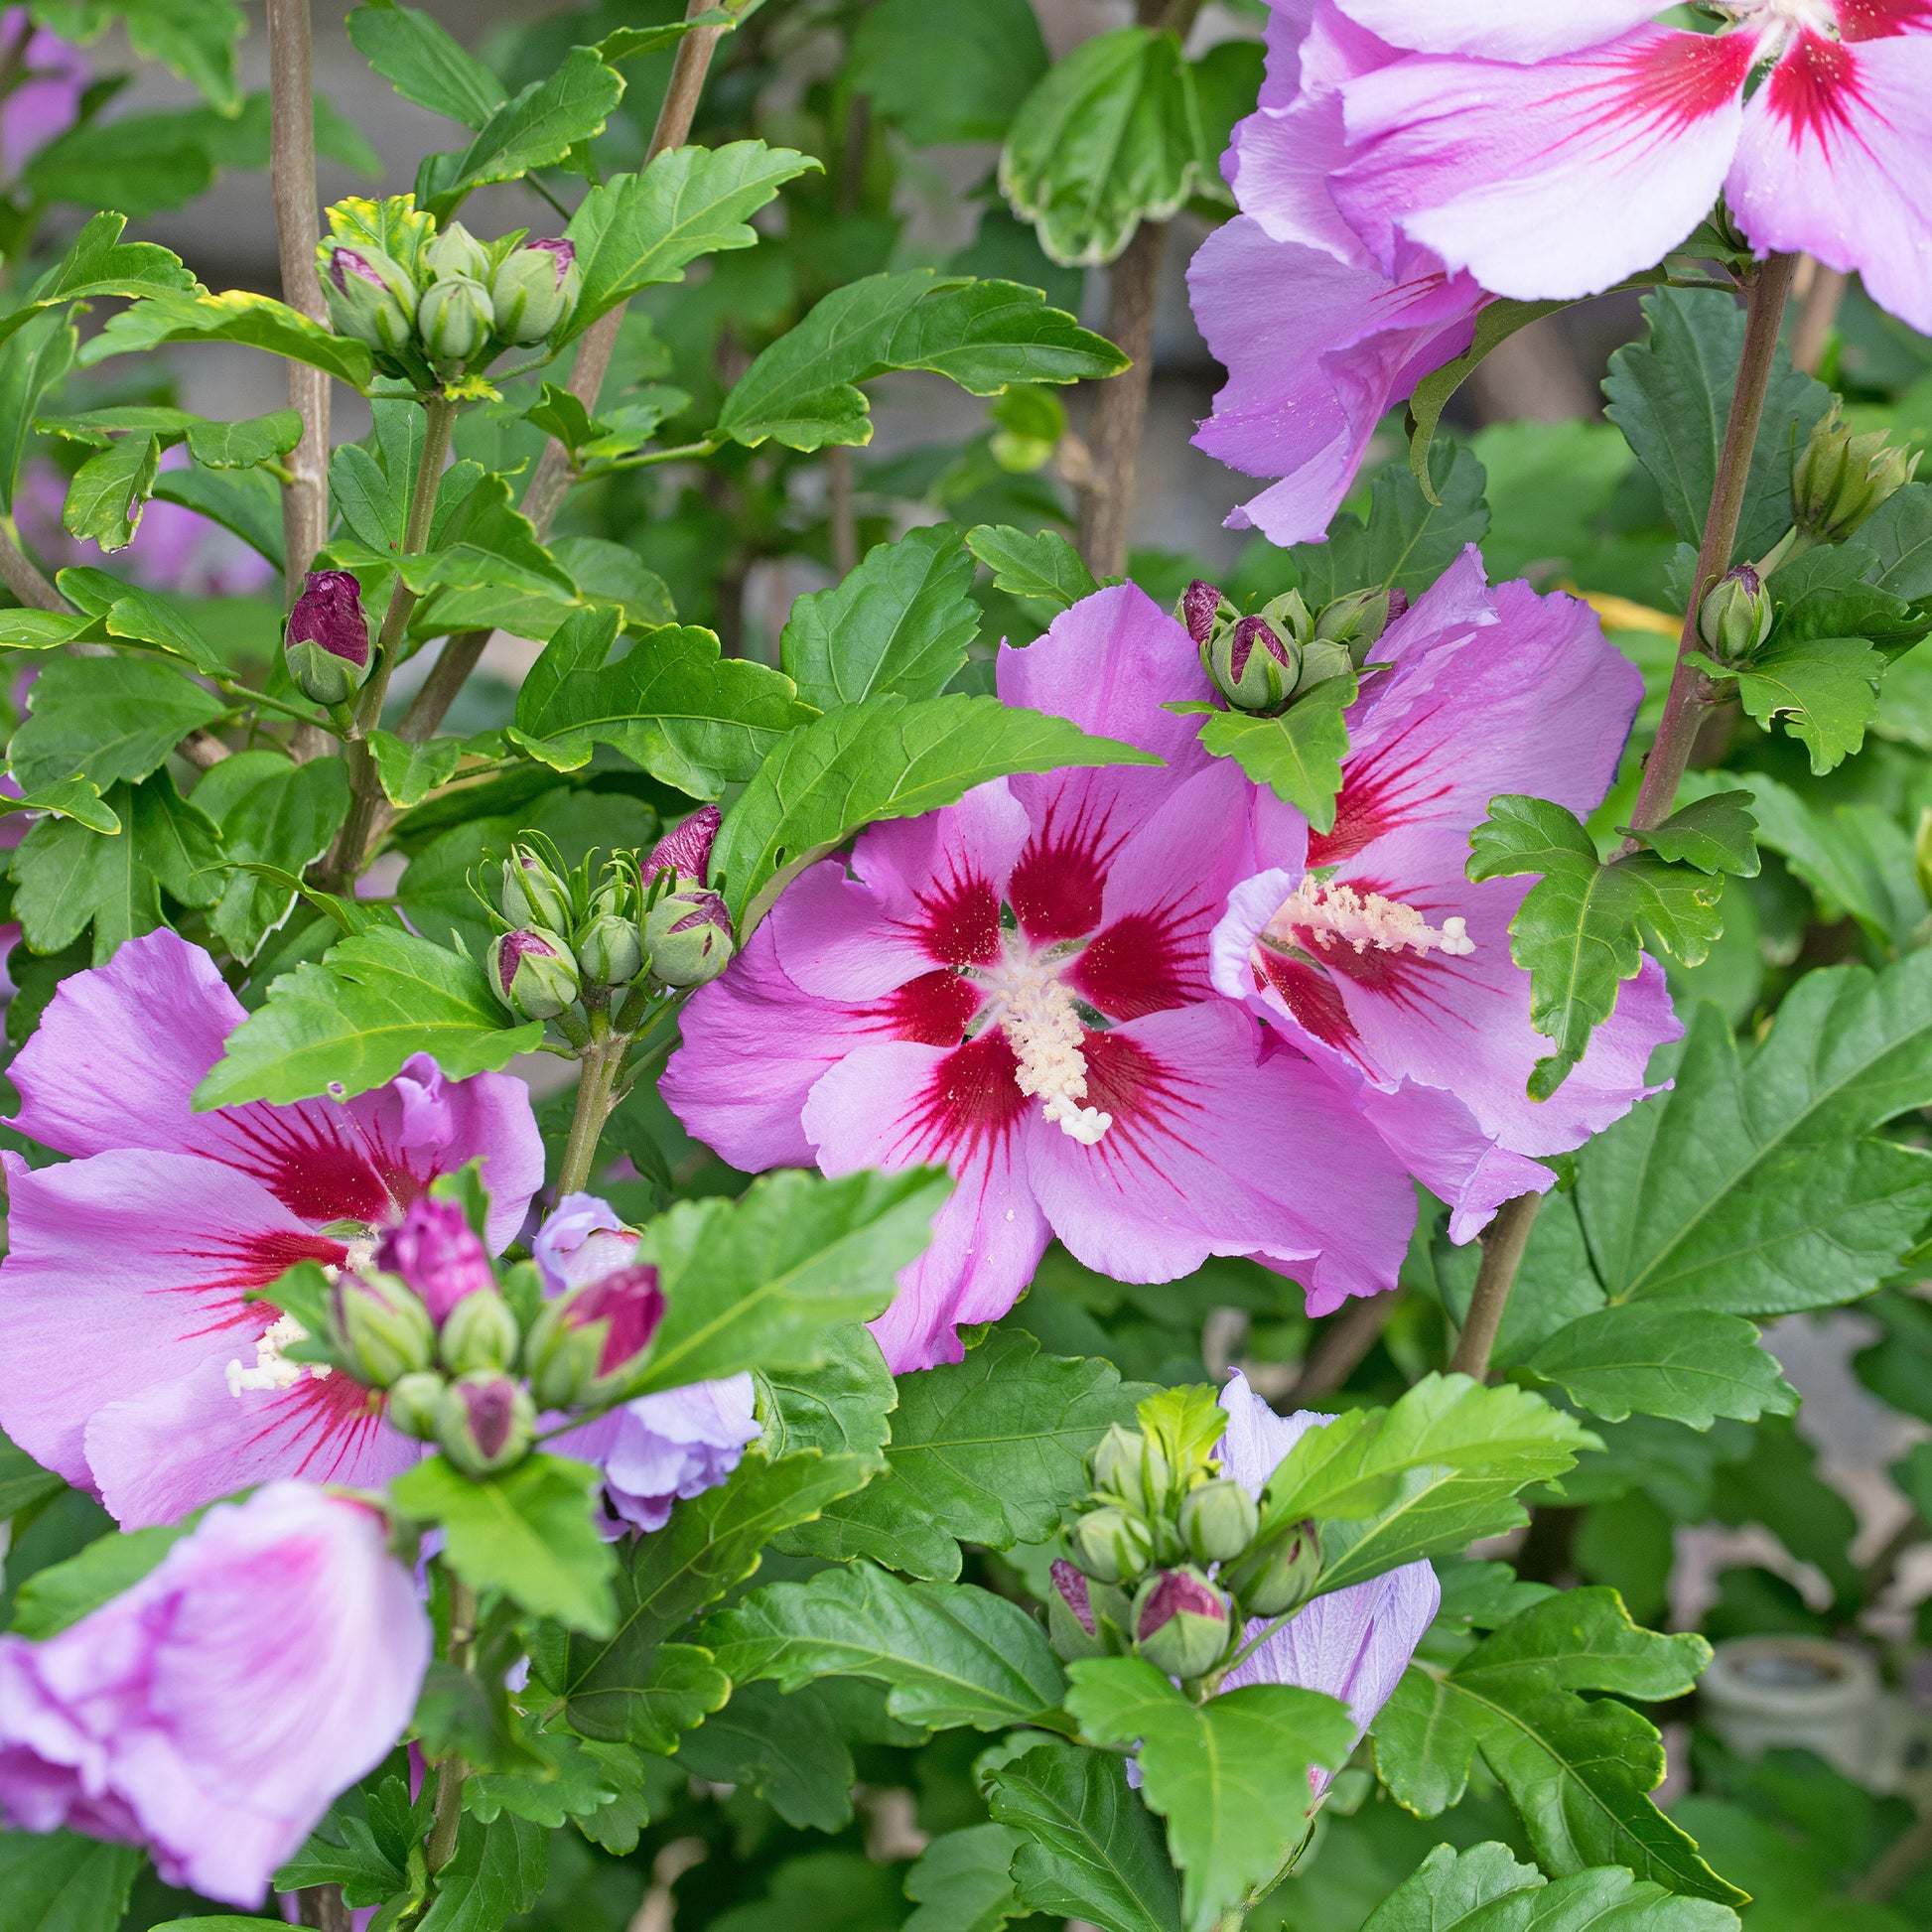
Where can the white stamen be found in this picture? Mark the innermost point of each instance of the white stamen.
(1326, 914)
(1784, 20)
(1038, 1015)
(272, 1370)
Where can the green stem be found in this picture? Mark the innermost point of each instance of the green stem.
(603, 1061)
(441, 1848)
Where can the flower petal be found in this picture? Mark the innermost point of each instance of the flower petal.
(1835, 152)
(1499, 30)
(1555, 181)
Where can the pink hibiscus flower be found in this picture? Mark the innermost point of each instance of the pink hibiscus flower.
(1552, 151)
(1017, 987)
(1370, 948)
(133, 1365)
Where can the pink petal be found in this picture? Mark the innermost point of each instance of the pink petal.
(1552, 181)
(1440, 1141)
(1499, 30)
(126, 1269)
(1836, 152)
(177, 1446)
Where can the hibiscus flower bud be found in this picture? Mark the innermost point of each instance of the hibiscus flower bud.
(370, 295)
(533, 973)
(480, 1333)
(1736, 614)
(685, 850)
(379, 1328)
(414, 1403)
(1112, 1546)
(532, 893)
(326, 644)
(456, 251)
(1131, 1467)
(688, 935)
(1181, 1623)
(453, 319)
(1841, 478)
(486, 1421)
(1070, 1621)
(438, 1253)
(1202, 607)
(1218, 1521)
(1252, 665)
(611, 951)
(588, 1346)
(1281, 1573)
(535, 289)
(1357, 621)
(1321, 659)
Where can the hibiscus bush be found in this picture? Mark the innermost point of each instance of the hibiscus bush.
(748, 1185)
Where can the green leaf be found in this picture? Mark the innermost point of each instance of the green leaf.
(109, 493)
(535, 129)
(1685, 1363)
(67, 877)
(408, 773)
(1761, 1184)
(76, 798)
(786, 1750)
(1670, 395)
(1576, 933)
(528, 1531)
(1713, 834)
(947, 74)
(238, 316)
(346, 1023)
(1578, 1773)
(1044, 564)
(1496, 322)
(58, 1882)
(1111, 137)
(843, 1405)
(961, 1882)
(900, 622)
(99, 263)
(1229, 1775)
(648, 228)
(105, 719)
(614, 574)
(275, 813)
(1090, 1849)
(1297, 754)
(1825, 688)
(635, 1684)
(1449, 1890)
(671, 704)
(476, 531)
(1484, 1889)
(243, 444)
(890, 757)
(147, 618)
(759, 1282)
(498, 1869)
(984, 1450)
(196, 39)
(425, 62)
(951, 1654)
(1833, 592)
(981, 335)
(1899, 534)
(51, 1599)
(32, 361)
(1409, 539)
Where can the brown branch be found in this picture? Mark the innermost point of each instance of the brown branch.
(1502, 1251)
(20, 575)
(1120, 409)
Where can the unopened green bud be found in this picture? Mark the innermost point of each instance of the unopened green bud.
(1840, 479)
(1252, 665)
(478, 1333)
(534, 290)
(533, 973)
(379, 1328)
(1131, 1467)
(688, 935)
(1323, 659)
(1070, 1621)
(1218, 1521)
(1279, 1573)
(453, 319)
(1736, 614)
(610, 951)
(456, 251)
(486, 1421)
(1181, 1623)
(1112, 1546)
(414, 1403)
(532, 892)
(371, 297)
(1358, 620)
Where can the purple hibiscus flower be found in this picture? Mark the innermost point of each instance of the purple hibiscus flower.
(1553, 151)
(1320, 338)
(213, 1711)
(675, 1443)
(133, 1365)
(1017, 987)
(1368, 945)
(1352, 1644)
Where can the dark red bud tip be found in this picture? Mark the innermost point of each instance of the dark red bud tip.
(1249, 633)
(1072, 1585)
(516, 947)
(686, 849)
(437, 1252)
(707, 909)
(630, 1300)
(492, 1407)
(1748, 577)
(1198, 604)
(565, 253)
(1174, 1593)
(328, 613)
(343, 263)
(1398, 605)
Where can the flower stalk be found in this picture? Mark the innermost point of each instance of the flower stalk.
(1502, 1252)
(441, 1848)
